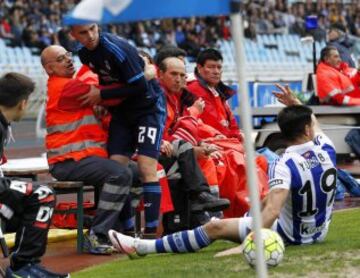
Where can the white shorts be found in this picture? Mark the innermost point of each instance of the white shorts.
(245, 227)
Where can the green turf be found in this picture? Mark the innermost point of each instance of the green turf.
(338, 256)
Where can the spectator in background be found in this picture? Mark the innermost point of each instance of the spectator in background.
(6, 32)
(357, 25)
(179, 35)
(337, 83)
(44, 38)
(191, 45)
(142, 37)
(263, 25)
(65, 40)
(337, 37)
(269, 17)
(319, 33)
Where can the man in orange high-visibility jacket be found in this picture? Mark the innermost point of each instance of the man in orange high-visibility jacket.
(337, 83)
(208, 86)
(75, 144)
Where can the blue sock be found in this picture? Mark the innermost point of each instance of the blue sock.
(128, 224)
(127, 216)
(182, 242)
(152, 197)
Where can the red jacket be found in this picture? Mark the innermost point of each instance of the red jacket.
(338, 86)
(176, 106)
(217, 112)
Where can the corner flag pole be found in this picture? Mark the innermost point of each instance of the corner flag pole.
(245, 112)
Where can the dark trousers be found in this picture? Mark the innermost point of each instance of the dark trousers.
(33, 206)
(184, 166)
(115, 181)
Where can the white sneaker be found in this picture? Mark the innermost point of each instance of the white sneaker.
(124, 244)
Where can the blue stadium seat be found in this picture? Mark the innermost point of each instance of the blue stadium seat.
(2, 44)
(27, 55)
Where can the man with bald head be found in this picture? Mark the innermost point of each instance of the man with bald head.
(172, 79)
(75, 144)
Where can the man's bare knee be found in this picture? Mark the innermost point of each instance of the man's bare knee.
(147, 168)
(214, 229)
(223, 229)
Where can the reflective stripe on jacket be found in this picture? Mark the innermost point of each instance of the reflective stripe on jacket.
(336, 87)
(71, 134)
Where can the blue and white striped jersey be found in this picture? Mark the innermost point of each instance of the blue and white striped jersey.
(308, 171)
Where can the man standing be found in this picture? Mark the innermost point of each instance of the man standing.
(75, 144)
(26, 208)
(298, 206)
(337, 84)
(214, 92)
(337, 38)
(137, 123)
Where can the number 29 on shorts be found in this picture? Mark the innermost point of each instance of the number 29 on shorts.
(147, 132)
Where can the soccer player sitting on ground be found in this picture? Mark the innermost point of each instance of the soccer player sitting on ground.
(298, 206)
(25, 207)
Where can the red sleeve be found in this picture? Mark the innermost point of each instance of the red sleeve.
(3, 159)
(356, 79)
(186, 129)
(328, 87)
(69, 98)
(206, 131)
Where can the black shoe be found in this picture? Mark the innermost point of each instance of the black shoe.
(34, 270)
(208, 202)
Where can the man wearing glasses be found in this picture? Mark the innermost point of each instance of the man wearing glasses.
(75, 144)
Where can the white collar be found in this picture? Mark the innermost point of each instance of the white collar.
(300, 148)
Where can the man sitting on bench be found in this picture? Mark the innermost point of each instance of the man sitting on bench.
(75, 144)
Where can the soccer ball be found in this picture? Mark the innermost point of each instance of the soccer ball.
(273, 246)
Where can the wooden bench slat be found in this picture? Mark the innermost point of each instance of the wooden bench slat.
(65, 184)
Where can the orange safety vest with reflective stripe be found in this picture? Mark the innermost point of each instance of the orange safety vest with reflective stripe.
(71, 134)
(337, 86)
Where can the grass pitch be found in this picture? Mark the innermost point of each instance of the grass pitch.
(338, 256)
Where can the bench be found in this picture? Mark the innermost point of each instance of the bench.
(78, 187)
(26, 167)
(31, 167)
